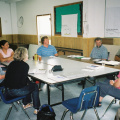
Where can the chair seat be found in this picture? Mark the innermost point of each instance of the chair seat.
(71, 104)
(9, 100)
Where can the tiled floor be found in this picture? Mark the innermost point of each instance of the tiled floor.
(71, 90)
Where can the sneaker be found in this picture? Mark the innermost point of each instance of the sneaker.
(27, 106)
(36, 111)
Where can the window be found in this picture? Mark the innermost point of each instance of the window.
(44, 26)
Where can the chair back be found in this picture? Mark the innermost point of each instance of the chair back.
(1, 94)
(32, 50)
(88, 98)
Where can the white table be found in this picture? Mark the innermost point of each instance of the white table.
(72, 71)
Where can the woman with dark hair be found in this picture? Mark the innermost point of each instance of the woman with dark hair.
(17, 82)
(6, 53)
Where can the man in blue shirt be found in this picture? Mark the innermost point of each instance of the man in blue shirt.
(99, 52)
(45, 49)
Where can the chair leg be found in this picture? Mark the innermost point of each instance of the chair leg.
(108, 107)
(83, 115)
(24, 110)
(96, 114)
(8, 113)
(71, 116)
(64, 113)
(15, 107)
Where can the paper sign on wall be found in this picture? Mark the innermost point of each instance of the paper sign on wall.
(69, 25)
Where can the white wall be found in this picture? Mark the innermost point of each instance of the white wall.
(93, 15)
(8, 18)
(96, 18)
(14, 18)
(5, 18)
(30, 8)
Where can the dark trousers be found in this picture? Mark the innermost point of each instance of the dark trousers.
(28, 90)
(107, 89)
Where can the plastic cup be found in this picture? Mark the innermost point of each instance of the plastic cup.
(39, 58)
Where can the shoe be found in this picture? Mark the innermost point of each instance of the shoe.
(40, 89)
(27, 106)
(36, 111)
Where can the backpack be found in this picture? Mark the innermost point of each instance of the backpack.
(46, 112)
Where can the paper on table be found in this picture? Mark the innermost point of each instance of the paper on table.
(109, 62)
(75, 56)
(86, 58)
(74, 76)
(97, 60)
(36, 71)
(58, 78)
(89, 70)
(94, 67)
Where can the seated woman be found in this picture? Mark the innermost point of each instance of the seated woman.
(17, 82)
(45, 49)
(109, 87)
(2, 75)
(6, 53)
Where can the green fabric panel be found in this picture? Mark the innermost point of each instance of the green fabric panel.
(65, 10)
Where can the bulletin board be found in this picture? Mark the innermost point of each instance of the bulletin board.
(68, 9)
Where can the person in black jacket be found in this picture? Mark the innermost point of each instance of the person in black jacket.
(17, 82)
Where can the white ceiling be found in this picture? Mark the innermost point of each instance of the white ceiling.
(10, 1)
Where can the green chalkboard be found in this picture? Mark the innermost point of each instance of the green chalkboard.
(66, 10)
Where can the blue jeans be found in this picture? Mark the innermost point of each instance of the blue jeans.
(107, 89)
(28, 90)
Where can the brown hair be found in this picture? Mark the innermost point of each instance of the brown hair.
(43, 38)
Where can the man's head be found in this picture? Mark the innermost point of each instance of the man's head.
(45, 40)
(98, 42)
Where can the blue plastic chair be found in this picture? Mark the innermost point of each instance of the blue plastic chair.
(89, 98)
(11, 101)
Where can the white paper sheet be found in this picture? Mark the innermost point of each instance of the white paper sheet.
(75, 56)
(69, 25)
(86, 58)
(37, 71)
(58, 78)
(109, 62)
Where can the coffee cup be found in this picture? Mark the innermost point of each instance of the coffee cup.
(39, 58)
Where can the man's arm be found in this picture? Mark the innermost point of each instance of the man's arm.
(56, 54)
(117, 58)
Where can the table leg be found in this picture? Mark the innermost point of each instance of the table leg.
(62, 92)
(83, 85)
(48, 90)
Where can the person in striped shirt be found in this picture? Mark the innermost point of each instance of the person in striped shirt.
(45, 49)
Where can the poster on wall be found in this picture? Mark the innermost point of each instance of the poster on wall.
(69, 25)
(112, 22)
